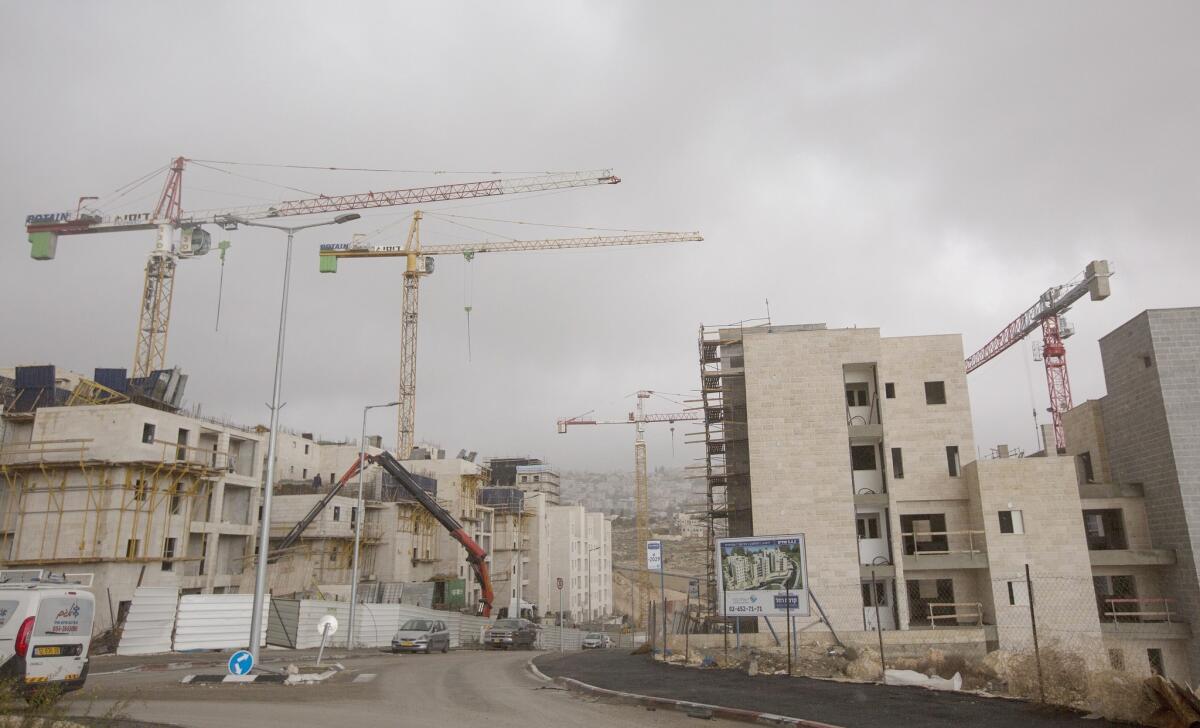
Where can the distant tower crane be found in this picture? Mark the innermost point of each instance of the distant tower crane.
(639, 419)
(1047, 315)
(419, 262)
(154, 316)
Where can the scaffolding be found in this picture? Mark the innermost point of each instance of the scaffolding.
(59, 501)
(721, 374)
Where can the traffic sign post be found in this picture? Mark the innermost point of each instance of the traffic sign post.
(654, 561)
(326, 627)
(559, 582)
(241, 663)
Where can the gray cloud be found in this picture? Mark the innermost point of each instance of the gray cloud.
(925, 168)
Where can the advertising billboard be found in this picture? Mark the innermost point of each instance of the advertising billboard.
(758, 575)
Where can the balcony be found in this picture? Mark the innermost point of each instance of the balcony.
(954, 614)
(1142, 618)
(867, 497)
(1132, 557)
(934, 550)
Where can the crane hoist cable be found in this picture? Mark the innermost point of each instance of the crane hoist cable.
(223, 246)
(468, 256)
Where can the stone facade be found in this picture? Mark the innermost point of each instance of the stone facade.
(865, 444)
(1142, 443)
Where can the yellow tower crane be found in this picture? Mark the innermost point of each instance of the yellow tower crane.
(639, 418)
(419, 263)
(168, 216)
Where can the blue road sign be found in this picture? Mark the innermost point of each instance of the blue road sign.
(241, 663)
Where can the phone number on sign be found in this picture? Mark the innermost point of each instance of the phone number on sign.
(745, 609)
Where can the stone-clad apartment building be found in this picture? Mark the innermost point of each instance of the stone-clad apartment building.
(865, 444)
(1137, 452)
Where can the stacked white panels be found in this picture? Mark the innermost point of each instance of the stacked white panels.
(216, 622)
(294, 623)
(150, 621)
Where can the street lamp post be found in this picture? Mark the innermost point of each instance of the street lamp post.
(264, 533)
(359, 517)
(591, 616)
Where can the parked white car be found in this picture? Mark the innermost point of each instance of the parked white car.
(596, 640)
(45, 629)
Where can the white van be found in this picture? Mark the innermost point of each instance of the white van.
(45, 628)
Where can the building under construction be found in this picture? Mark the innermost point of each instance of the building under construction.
(111, 478)
(865, 444)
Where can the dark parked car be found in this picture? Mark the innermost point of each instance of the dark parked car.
(421, 635)
(506, 633)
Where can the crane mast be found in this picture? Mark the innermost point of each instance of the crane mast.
(419, 263)
(1046, 315)
(639, 418)
(154, 311)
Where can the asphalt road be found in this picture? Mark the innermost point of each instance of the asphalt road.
(853, 705)
(461, 688)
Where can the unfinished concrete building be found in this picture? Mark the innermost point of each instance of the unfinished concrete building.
(112, 481)
(519, 550)
(458, 485)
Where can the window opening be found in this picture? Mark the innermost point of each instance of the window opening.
(862, 457)
(857, 394)
(1012, 522)
(935, 393)
(168, 554)
(1105, 529)
(1155, 656)
(1085, 467)
(952, 462)
(867, 525)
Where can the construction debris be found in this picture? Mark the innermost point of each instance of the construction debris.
(912, 677)
(1175, 705)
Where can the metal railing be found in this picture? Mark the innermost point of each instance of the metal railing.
(1142, 609)
(44, 451)
(928, 548)
(959, 610)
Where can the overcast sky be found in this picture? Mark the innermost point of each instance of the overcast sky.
(922, 167)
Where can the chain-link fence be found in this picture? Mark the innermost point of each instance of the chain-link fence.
(1068, 639)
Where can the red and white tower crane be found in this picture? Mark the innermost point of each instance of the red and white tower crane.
(1046, 314)
(168, 216)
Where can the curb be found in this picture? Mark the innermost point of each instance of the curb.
(686, 706)
(538, 673)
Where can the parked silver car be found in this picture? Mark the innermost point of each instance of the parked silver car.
(421, 635)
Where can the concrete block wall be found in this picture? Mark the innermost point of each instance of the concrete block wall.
(1151, 419)
(1045, 491)
(1084, 428)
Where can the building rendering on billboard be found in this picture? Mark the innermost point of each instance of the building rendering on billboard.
(759, 575)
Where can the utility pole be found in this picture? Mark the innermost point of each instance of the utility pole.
(591, 612)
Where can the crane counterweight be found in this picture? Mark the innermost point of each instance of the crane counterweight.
(1046, 315)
